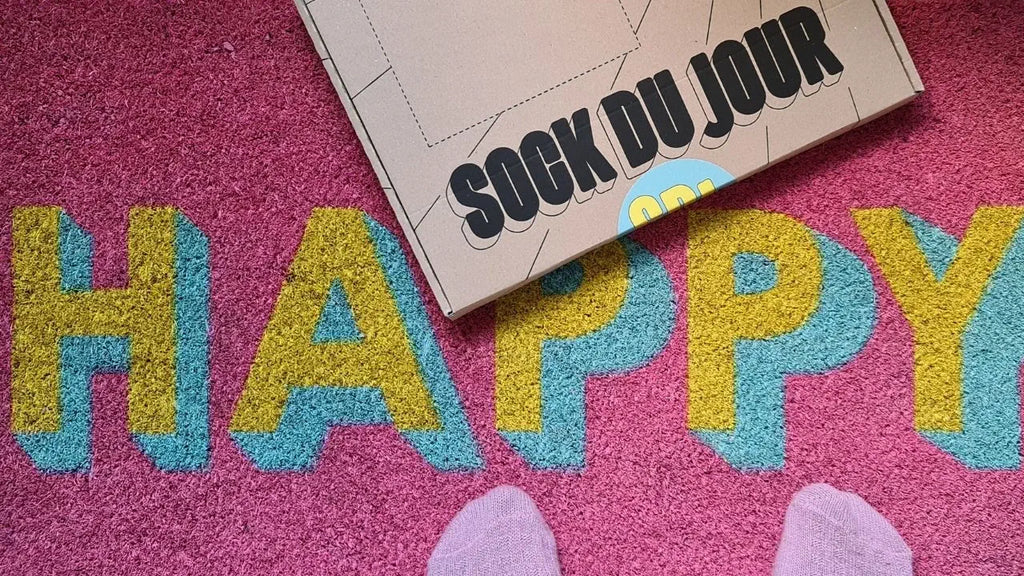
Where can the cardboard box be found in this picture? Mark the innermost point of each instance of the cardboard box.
(512, 137)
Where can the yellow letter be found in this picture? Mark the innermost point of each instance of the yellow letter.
(65, 331)
(45, 313)
(610, 312)
(719, 315)
(938, 308)
(336, 245)
(528, 317)
(349, 343)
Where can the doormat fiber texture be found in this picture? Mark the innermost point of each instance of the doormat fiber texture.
(216, 356)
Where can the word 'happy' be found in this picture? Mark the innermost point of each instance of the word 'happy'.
(349, 342)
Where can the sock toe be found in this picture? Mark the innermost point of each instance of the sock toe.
(879, 536)
(827, 531)
(501, 533)
(824, 500)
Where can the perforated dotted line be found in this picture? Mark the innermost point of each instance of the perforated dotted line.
(534, 97)
(395, 74)
(628, 21)
(492, 116)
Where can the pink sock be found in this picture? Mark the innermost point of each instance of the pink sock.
(499, 534)
(828, 532)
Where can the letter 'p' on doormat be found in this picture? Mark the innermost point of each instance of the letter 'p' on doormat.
(220, 354)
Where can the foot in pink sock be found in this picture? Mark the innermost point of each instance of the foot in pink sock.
(828, 532)
(500, 534)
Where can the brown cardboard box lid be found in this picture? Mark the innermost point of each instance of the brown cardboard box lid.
(478, 115)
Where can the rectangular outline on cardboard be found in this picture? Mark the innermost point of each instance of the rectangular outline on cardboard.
(535, 96)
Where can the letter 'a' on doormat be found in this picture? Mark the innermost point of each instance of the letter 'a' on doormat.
(219, 356)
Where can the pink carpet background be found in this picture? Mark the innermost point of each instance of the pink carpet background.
(222, 109)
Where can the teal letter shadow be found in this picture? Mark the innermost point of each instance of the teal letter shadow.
(838, 329)
(634, 337)
(310, 413)
(993, 349)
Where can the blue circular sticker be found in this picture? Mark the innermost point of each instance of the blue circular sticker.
(668, 187)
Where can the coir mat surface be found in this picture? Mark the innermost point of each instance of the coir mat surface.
(194, 244)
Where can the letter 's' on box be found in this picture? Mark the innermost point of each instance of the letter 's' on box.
(513, 136)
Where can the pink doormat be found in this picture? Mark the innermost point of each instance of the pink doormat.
(216, 359)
